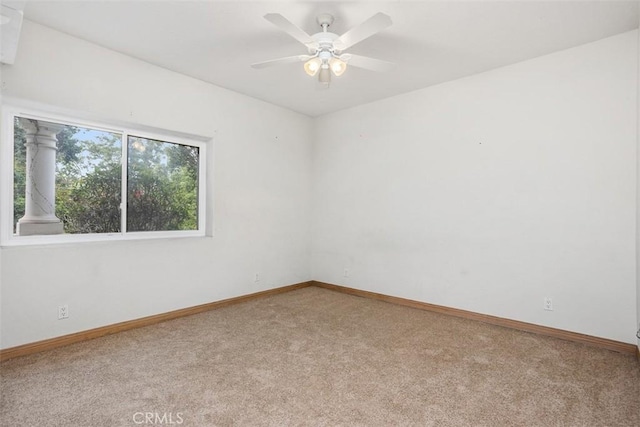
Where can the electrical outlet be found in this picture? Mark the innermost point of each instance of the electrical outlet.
(548, 304)
(256, 278)
(346, 272)
(63, 312)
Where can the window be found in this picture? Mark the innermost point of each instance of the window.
(77, 181)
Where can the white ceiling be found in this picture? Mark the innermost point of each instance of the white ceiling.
(431, 41)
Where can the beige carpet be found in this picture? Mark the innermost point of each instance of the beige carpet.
(320, 358)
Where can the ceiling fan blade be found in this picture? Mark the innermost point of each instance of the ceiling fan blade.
(371, 26)
(290, 28)
(279, 61)
(367, 63)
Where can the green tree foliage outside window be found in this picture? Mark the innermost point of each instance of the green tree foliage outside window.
(162, 183)
(162, 188)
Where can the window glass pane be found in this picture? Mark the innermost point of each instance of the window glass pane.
(162, 191)
(19, 170)
(86, 179)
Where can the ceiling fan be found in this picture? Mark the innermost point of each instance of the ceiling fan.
(326, 50)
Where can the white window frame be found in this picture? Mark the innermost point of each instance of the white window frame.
(7, 238)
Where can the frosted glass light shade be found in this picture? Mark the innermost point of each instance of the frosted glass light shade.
(337, 66)
(325, 75)
(312, 66)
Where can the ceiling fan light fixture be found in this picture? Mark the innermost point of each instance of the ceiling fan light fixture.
(312, 66)
(337, 66)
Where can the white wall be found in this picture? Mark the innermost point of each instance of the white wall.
(491, 192)
(259, 172)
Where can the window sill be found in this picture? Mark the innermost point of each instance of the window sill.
(73, 239)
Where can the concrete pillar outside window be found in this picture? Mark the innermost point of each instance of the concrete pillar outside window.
(40, 198)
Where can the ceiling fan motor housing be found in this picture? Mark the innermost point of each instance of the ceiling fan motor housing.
(324, 42)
